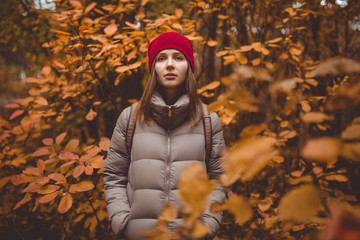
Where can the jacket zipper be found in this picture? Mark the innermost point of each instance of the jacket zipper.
(167, 162)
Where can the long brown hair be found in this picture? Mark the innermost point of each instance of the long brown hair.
(195, 108)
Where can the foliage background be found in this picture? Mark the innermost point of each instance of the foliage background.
(283, 76)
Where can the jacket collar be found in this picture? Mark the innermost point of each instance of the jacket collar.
(160, 111)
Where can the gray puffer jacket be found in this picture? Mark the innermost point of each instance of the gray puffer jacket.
(138, 186)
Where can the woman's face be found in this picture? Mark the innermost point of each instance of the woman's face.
(171, 67)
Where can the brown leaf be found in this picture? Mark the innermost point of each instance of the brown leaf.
(351, 132)
(337, 177)
(300, 204)
(60, 138)
(48, 141)
(81, 187)
(16, 114)
(72, 145)
(91, 115)
(351, 151)
(337, 66)
(324, 149)
(78, 171)
(65, 203)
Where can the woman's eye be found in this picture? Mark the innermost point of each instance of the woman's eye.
(160, 59)
(179, 58)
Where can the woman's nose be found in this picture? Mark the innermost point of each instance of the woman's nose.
(170, 63)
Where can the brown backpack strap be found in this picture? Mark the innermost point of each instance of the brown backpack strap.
(207, 131)
(131, 126)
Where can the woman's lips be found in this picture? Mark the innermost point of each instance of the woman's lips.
(170, 76)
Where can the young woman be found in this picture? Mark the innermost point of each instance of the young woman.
(169, 135)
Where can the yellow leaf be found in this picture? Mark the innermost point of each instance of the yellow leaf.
(91, 115)
(275, 40)
(194, 188)
(65, 203)
(169, 213)
(246, 158)
(245, 48)
(72, 145)
(300, 204)
(81, 187)
(238, 206)
(324, 149)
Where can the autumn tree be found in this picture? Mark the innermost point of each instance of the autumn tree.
(282, 75)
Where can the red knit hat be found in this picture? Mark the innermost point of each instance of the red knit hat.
(171, 40)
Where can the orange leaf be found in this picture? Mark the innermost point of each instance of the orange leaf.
(98, 163)
(91, 115)
(179, 12)
(47, 198)
(26, 198)
(212, 43)
(110, 29)
(41, 101)
(48, 141)
(60, 32)
(81, 187)
(78, 171)
(60, 138)
(68, 164)
(4, 181)
(89, 7)
(104, 143)
(58, 177)
(65, 203)
(89, 170)
(14, 105)
(48, 189)
(32, 171)
(16, 114)
(64, 155)
(40, 152)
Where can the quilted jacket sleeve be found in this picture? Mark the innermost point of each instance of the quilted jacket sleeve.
(115, 176)
(213, 220)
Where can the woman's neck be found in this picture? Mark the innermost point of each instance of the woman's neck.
(171, 95)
